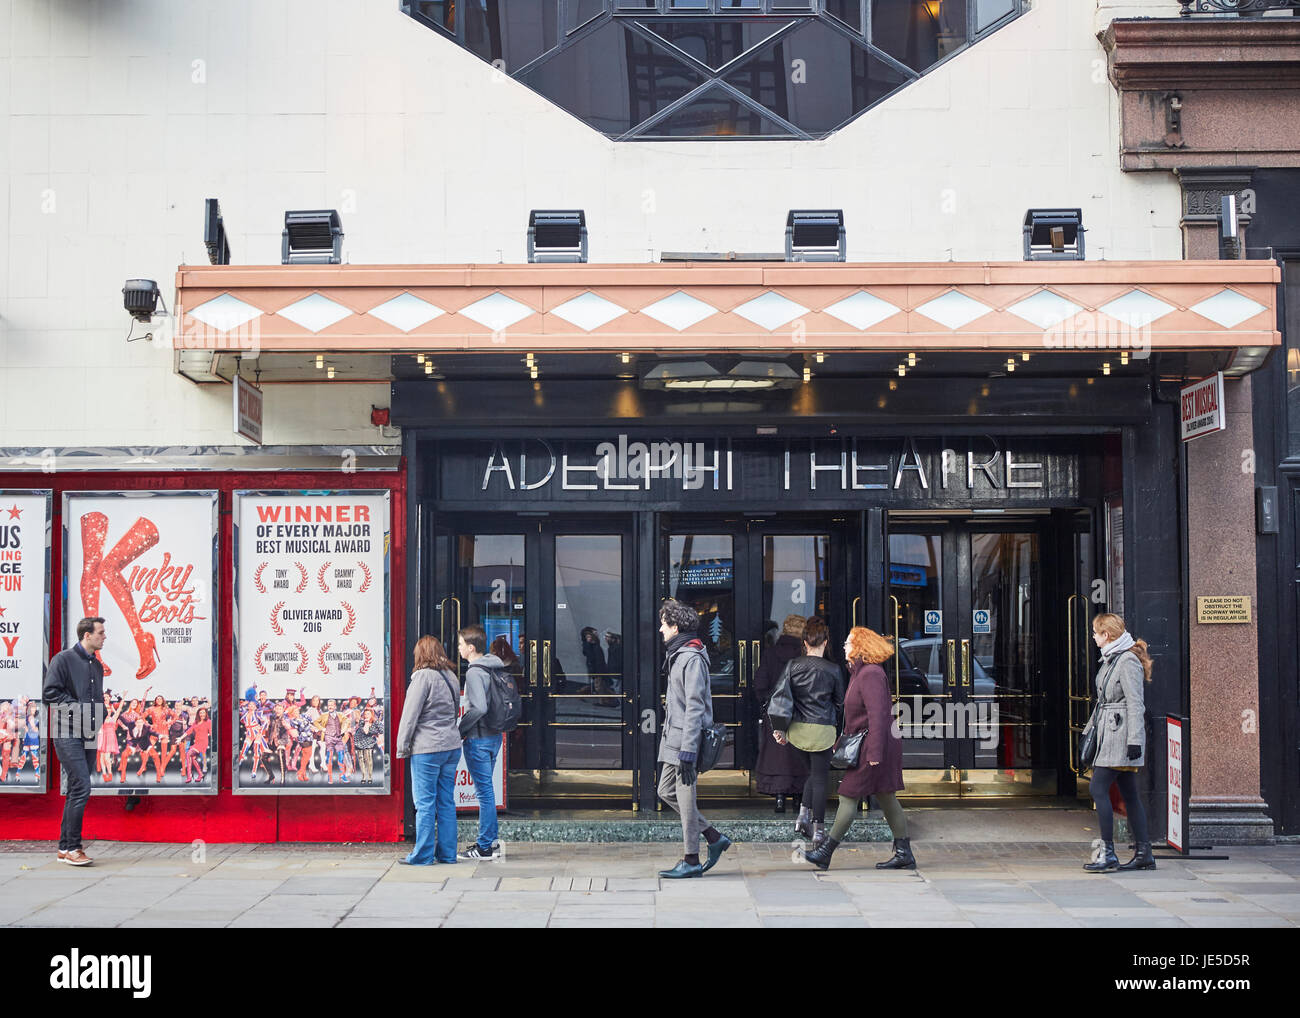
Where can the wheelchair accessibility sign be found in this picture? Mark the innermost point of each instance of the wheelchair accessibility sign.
(934, 622)
(982, 620)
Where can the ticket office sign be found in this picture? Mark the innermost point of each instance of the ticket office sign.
(311, 642)
(24, 637)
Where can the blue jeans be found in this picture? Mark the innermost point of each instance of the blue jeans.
(481, 759)
(433, 787)
(72, 756)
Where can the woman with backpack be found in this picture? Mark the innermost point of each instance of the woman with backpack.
(1120, 722)
(429, 736)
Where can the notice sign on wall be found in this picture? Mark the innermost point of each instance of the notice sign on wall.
(1214, 610)
(311, 642)
(1201, 408)
(24, 586)
(1175, 806)
(145, 562)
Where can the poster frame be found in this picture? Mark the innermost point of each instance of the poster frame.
(236, 685)
(214, 500)
(43, 784)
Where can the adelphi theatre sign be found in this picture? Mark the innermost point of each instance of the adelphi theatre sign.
(630, 469)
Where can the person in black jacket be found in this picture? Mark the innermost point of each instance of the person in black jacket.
(780, 770)
(74, 689)
(805, 711)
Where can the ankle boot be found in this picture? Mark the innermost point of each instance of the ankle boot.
(902, 858)
(803, 825)
(1106, 861)
(818, 834)
(780, 804)
(1142, 858)
(821, 855)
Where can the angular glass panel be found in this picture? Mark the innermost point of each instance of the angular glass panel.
(847, 11)
(716, 115)
(918, 32)
(612, 79)
(715, 43)
(989, 11)
(580, 12)
(838, 80)
(441, 12)
(527, 31)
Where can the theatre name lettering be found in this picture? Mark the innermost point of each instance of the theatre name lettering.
(909, 466)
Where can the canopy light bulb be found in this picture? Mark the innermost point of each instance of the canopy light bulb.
(1105, 367)
(532, 372)
(329, 372)
(419, 358)
(1123, 357)
(626, 358)
(821, 358)
(1025, 356)
(320, 360)
(911, 360)
(1011, 364)
(428, 367)
(902, 370)
(807, 374)
(528, 359)
(893, 385)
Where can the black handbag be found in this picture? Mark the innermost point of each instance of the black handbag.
(1088, 744)
(713, 739)
(847, 751)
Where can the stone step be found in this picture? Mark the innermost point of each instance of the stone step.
(654, 827)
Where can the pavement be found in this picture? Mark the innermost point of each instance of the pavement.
(971, 872)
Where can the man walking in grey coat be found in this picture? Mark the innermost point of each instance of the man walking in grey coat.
(689, 712)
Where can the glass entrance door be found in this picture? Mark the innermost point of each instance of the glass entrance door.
(553, 602)
(968, 614)
(744, 577)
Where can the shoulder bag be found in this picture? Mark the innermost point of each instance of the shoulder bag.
(847, 751)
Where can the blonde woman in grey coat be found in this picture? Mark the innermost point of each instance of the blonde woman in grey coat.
(1120, 720)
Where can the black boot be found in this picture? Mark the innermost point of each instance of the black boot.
(818, 833)
(780, 804)
(1142, 858)
(1106, 862)
(803, 825)
(821, 855)
(902, 858)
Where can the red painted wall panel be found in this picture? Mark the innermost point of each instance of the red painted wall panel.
(224, 817)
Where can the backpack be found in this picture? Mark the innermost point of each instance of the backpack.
(505, 707)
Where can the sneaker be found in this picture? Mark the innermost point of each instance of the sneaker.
(76, 858)
(476, 854)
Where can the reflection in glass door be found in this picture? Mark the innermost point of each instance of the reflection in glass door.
(744, 578)
(965, 596)
(551, 599)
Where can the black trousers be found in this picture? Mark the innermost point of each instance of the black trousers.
(1102, 779)
(76, 767)
(814, 789)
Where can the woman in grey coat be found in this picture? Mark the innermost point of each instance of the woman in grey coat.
(1120, 720)
(430, 736)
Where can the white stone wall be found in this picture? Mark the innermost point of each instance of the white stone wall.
(121, 116)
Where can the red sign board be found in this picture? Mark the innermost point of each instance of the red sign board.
(248, 410)
(1201, 408)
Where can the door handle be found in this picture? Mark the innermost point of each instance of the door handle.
(965, 663)
(952, 663)
(532, 664)
(753, 657)
(853, 611)
(442, 625)
(898, 611)
(546, 664)
(742, 647)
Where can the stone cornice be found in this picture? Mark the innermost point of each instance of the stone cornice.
(1214, 53)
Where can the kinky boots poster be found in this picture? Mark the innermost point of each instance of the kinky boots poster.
(146, 563)
(24, 589)
(311, 642)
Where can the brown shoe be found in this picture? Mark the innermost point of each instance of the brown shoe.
(76, 858)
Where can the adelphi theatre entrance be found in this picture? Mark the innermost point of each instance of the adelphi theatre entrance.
(981, 556)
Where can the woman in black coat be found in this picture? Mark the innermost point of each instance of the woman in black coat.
(780, 771)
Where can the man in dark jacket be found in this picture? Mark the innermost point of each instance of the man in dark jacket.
(689, 710)
(74, 689)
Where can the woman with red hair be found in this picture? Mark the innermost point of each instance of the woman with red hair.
(879, 770)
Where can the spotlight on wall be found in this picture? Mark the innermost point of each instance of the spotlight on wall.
(313, 237)
(815, 235)
(140, 298)
(1054, 235)
(214, 233)
(557, 235)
